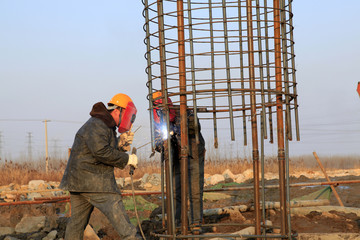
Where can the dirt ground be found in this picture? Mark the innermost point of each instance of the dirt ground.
(314, 222)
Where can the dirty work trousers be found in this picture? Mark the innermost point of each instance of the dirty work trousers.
(110, 204)
(196, 181)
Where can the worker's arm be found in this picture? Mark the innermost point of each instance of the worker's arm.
(98, 141)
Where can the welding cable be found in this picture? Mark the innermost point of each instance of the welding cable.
(135, 208)
(131, 173)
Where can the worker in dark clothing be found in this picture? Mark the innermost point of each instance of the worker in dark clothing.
(89, 174)
(195, 160)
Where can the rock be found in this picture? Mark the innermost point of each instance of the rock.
(33, 195)
(148, 185)
(37, 235)
(211, 196)
(35, 184)
(239, 178)
(11, 238)
(144, 179)
(127, 181)
(9, 197)
(248, 174)
(51, 235)
(228, 175)
(6, 231)
(120, 182)
(30, 224)
(14, 186)
(215, 179)
(90, 234)
(154, 179)
(272, 212)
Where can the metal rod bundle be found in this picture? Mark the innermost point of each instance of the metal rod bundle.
(229, 61)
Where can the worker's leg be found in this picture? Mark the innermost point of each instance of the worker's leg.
(196, 181)
(111, 205)
(80, 214)
(177, 185)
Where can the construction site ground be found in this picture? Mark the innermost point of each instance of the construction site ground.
(313, 222)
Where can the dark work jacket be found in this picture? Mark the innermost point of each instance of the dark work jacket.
(94, 155)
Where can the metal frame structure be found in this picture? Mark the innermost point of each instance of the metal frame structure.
(235, 59)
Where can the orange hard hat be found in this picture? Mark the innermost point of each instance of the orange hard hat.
(156, 95)
(120, 100)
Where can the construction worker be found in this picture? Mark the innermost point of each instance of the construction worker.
(89, 174)
(195, 159)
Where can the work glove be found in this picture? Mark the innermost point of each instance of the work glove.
(133, 161)
(125, 141)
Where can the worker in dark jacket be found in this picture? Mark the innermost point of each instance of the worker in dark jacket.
(89, 174)
(195, 160)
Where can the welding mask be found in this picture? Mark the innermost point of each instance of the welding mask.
(157, 112)
(127, 117)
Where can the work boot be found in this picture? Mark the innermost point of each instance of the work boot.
(197, 230)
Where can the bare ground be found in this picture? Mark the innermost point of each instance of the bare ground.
(314, 222)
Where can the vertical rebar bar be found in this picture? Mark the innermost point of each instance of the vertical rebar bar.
(268, 73)
(253, 117)
(241, 51)
(279, 114)
(183, 116)
(148, 69)
(192, 65)
(228, 75)
(296, 113)
(261, 67)
(262, 156)
(167, 154)
(212, 62)
(285, 70)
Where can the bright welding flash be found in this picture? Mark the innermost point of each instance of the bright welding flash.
(164, 132)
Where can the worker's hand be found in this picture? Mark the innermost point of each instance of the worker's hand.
(133, 161)
(125, 141)
(127, 137)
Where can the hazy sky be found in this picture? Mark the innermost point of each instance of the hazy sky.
(58, 58)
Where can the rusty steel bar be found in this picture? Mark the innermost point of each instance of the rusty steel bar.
(328, 179)
(280, 118)
(228, 74)
(268, 73)
(193, 86)
(167, 146)
(228, 189)
(212, 62)
(297, 129)
(149, 71)
(287, 177)
(288, 130)
(261, 66)
(255, 155)
(183, 117)
(241, 50)
(262, 156)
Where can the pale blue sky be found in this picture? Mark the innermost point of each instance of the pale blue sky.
(57, 58)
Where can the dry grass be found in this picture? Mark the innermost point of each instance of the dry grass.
(22, 173)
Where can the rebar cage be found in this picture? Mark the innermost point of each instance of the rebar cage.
(228, 60)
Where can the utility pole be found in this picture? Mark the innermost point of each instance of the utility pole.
(29, 146)
(46, 147)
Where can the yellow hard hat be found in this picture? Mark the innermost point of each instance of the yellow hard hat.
(120, 100)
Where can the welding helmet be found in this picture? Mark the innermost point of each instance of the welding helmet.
(127, 113)
(157, 111)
